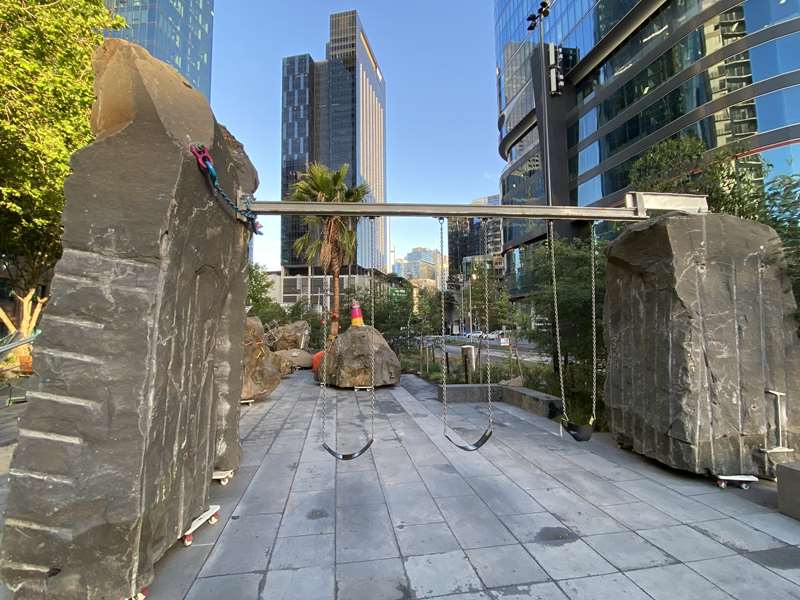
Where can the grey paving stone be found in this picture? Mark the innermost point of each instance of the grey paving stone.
(218, 494)
(666, 500)
(539, 527)
(315, 476)
(777, 525)
(593, 488)
(603, 587)
(746, 580)
(264, 495)
(176, 571)
(253, 453)
(370, 580)
(505, 565)
(394, 466)
(737, 535)
(503, 496)
(473, 524)
(308, 513)
(566, 559)
(208, 533)
(431, 538)
(537, 591)
(638, 515)
(472, 464)
(443, 481)
(241, 587)
(411, 504)
(364, 533)
(676, 581)
(628, 551)
(729, 503)
(576, 513)
(303, 551)
(308, 583)
(783, 561)
(602, 467)
(528, 477)
(440, 574)
(243, 547)
(358, 487)
(685, 543)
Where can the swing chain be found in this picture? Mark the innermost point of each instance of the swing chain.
(551, 243)
(444, 343)
(324, 381)
(593, 266)
(485, 224)
(373, 252)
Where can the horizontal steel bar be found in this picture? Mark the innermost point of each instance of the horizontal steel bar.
(567, 213)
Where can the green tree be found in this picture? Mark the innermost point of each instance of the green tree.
(46, 83)
(501, 314)
(329, 242)
(783, 210)
(258, 296)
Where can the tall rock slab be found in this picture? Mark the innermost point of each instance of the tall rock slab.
(700, 329)
(140, 361)
(350, 360)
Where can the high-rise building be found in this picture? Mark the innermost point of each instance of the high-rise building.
(333, 113)
(636, 72)
(472, 240)
(179, 32)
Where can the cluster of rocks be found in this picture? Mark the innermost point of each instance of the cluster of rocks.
(350, 360)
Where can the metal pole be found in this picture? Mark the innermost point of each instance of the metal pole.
(544, 130)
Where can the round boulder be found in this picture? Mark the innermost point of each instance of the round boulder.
(298, 359)
(290, 337)
(262, 368)
(349, 360)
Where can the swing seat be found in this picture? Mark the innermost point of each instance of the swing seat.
(471, 447)
(580, 433)
(351, 455)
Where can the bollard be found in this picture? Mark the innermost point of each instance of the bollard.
(468, 358)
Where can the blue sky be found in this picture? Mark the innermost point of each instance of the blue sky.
(439, 64)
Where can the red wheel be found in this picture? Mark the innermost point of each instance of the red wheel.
(188, 539)
(214, 518)
(722, 484)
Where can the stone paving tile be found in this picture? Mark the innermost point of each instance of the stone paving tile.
(602, 467)
(537, 591)
(567, 559)
(745, 580)
(266, 494)
(783, 561)
(431, 538)
(728, 503)
(440, 574)
(539, 527)
(666, 500)
(314, 476)
(503, 496)
(738, 536)
(505, 565)
(364, 533)
(411, 504)
(603, 587)
(778, 526)
(528, 477)
(628, 551)
(308, 583)
(176, 571)
(358, 487)
(575, 512)
(473, 524)
(303, 551)
(638, 515)
(593, 488)
(308, 513)
(241, 587)
(673, 582)
(443, 481)
(243, 547)
(384, 579)
(685, 543)
(394, 466)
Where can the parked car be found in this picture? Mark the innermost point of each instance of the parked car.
(475, 335)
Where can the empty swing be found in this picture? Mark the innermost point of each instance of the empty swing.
(443, 289)
(324, 379)
(580, 432)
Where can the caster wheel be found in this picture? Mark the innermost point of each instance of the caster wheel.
(745, 486)
(187, 540)
(143, 593)
(225, 481)
(722, 484)
(213, 519)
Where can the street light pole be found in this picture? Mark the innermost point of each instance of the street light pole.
(544, 125)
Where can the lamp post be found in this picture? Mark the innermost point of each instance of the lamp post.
(472, 278)
(535, 21)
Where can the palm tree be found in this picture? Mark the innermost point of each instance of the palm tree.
(329, 242)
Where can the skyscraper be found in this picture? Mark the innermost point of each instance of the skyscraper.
(333, 113)
(179, 32)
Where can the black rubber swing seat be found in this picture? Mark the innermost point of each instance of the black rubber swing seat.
(580, 433)
(351, 455)
(471, 447)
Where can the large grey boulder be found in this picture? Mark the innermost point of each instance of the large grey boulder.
(139, 366)
(298, 359)
(699, 326)
(262, 368)
(290, 337)
(349, 360)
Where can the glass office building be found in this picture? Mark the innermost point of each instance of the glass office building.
(333, 113)
(179, 32)
(636, 73)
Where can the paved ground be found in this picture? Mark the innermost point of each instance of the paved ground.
(530, 516)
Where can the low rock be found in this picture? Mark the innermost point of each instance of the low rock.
(262, 368)
(298, 359)
(349, 361)
(290, 337)
(517, 381)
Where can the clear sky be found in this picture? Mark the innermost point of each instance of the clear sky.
(438, 60)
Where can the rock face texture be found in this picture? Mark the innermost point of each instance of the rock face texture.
(299, 359)
(139, 366)
(699, 326)
(262, 368)
(349, 360)
(292, 336)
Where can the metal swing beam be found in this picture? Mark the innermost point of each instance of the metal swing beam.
(636, 206)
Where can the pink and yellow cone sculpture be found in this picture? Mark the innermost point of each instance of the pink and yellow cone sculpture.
(356, 318)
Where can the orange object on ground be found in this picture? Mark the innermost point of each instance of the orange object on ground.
(356, 318)
(316, 360)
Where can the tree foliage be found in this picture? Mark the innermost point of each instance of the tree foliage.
(258, 296)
